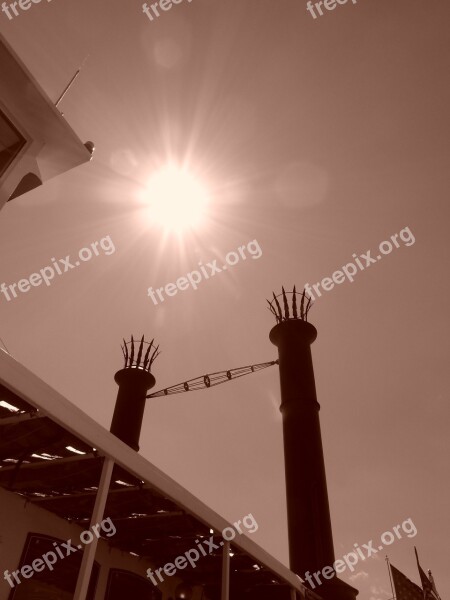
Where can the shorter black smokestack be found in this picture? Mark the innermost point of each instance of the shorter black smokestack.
(134, 381)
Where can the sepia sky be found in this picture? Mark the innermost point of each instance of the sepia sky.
(319, 138)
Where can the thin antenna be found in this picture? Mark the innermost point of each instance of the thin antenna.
(390, 576)
(69, 85)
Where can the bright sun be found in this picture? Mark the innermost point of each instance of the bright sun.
(177, 200)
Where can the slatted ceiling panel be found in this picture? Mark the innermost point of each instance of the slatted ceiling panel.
(8, 397)
(153, 527)
(21, 437)
(138, 501)
(160, 552)
(124, 502)
(31, 436)
(46, 477)
(70, 475)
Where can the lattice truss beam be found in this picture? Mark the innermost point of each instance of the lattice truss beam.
(211, 379)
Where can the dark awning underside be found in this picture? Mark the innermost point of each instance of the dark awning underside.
(39, 461)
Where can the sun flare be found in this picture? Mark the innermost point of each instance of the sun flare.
(176, 199)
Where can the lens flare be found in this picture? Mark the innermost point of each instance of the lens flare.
(176, 199)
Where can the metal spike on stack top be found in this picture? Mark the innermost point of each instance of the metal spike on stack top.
(134, 381)
(309, 523)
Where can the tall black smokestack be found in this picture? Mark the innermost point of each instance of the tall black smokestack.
(134, 381)
(309, 522)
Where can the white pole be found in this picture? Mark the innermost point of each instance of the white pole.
(225, 571)
(84, 574)
(390, 576)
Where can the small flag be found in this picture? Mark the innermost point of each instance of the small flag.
(404, 588)
(427, 586)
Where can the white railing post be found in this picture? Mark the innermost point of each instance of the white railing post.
(87, 561)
